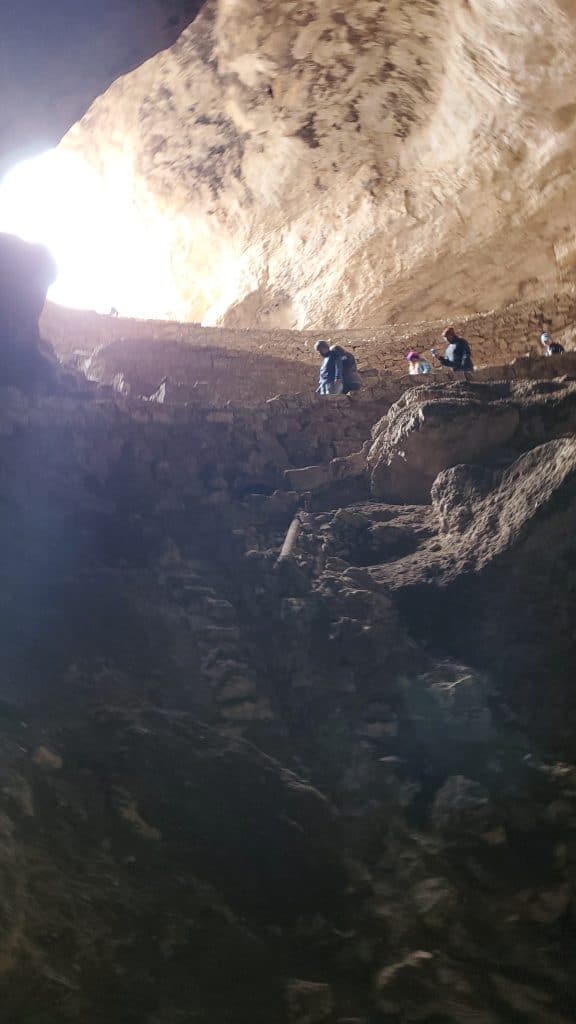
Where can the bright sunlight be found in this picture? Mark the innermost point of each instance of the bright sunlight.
(106, 257)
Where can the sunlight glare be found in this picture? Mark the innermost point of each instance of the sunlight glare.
(106, 257)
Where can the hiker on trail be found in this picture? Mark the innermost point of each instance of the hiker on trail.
(331, 371)
(417, 364)
(350, 376)
(551, 348)
(457, 355)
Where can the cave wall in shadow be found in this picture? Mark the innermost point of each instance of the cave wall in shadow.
(56, 58)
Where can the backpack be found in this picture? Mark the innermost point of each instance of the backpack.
(350, 373)
(465, 360)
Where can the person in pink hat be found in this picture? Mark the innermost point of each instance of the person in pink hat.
(417, 364)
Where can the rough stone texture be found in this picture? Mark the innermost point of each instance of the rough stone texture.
(212, 365)
(55, 58)
(26, 272)
(239, 790)
(433, 427)
(486, 571)
(420, 437)
(512, 544)
(496, 337)
(321, 165)
(157, 945)
(173, 458)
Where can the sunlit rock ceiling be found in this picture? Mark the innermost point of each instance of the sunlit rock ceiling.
(326, 163)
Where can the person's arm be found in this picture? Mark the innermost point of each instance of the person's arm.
(441, 359)
(338, 375)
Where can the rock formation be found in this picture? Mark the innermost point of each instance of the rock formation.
(250, 365)
(433, 427)
(321, 789)
(330, 165)
(55, 58)
(337, 785)
(26, 272)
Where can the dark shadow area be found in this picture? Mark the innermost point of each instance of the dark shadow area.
(57, 58)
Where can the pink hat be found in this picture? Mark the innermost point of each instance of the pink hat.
(412, 356)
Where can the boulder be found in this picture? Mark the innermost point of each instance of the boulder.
(462, 808)
(434, 427)
(495, 584)
(308, 478)
(26, 273)
(427, 431)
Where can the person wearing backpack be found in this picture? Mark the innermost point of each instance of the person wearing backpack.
(331, 380)
(350, 376)
(457, 356)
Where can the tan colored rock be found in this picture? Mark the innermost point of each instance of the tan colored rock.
(325, 165)
(422, 436)
(528, 487)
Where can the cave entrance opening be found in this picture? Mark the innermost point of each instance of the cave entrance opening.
(107, 259)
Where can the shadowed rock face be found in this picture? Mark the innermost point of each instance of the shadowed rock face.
(335, 165)
(56, 57)
(291, 794)
(486, 566)
(26, 272)
(237, 791)
(436, 426)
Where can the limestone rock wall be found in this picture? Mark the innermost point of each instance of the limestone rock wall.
(175, 457)
(327, 164)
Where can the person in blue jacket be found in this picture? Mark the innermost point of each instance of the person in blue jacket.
(331, 376)
(457, 355)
